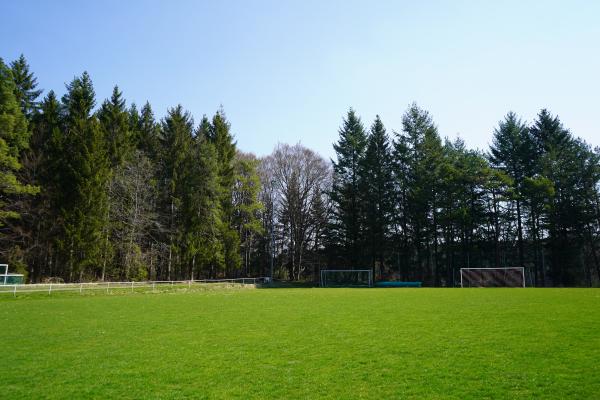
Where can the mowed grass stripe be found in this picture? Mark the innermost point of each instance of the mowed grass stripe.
(304, 343)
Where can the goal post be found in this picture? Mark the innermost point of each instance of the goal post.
(346, 278)
(492, 277)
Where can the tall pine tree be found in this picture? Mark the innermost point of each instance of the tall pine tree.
(219, 134)
(421, 155)
(377, 193)
(14, 139)
(204, 251)
(26, 91)
(84, 172)
(176, 135)
(559, 159)
(512, 152)
(345, 194)
(115, 121)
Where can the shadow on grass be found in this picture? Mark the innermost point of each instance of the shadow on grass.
(287, 285)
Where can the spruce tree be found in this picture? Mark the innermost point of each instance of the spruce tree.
(559, 159)
(548, 134)
(401, 167)
(84, 175)
(149, 133)
(377, 193)
(115, 121)
(26, 91)
(134, 125)
(345, 194)
(47, 137)
(201, 209)
(176, 139)
(43, 159)
(512, 152)
(14, 139)
(420, 157)
(219, 134)
(15, 187)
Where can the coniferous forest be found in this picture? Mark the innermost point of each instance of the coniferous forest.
(97, 189)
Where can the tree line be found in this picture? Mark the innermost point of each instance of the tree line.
(420, 208)
(108, 192)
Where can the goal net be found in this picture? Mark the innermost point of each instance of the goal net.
(346, 278)
(492, 277)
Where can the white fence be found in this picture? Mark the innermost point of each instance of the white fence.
(121, 286)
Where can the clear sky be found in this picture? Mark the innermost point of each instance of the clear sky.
(287, 71)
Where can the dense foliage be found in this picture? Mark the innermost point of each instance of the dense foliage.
(426, 207)
(109, 193)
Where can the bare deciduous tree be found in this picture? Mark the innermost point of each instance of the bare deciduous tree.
(299, 179)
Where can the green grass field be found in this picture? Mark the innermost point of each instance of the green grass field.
(304, 343)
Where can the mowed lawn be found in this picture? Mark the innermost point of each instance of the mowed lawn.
(304, 343)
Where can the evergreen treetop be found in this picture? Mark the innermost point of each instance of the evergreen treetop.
(26, 91)
(14, 138)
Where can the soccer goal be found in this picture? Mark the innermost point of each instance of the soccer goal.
(346, 278)
(492, 277)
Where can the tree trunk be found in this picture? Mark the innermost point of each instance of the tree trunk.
(594, 253)
(496, 231)
(520, 235)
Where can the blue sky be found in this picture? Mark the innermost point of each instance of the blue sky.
(287, 71)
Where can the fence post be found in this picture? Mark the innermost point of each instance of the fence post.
(153, 283)
(107, 287)
(189, 285)
(131, 286)
(50, 289)
(15, 291)
(80, 287)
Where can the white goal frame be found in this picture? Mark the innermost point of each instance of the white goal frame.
(521, 269)
(324, 273)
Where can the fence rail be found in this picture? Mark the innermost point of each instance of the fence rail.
(131, 285)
